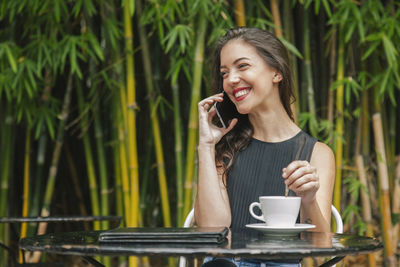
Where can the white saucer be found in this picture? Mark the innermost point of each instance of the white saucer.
(280, 231)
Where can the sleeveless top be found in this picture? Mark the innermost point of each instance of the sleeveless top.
(257, 171)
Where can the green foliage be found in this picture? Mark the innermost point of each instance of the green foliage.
(43, 41)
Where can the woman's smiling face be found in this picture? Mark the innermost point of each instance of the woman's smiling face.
(247, 79)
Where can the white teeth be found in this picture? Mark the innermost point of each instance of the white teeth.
(241, 93)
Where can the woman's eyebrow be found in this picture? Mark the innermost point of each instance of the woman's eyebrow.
(236, 61)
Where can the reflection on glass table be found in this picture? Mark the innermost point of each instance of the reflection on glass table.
(244, 243)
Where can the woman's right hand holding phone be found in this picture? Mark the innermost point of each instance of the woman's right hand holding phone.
(209, 133)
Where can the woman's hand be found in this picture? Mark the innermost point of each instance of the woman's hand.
(302, 178)
(210, 134)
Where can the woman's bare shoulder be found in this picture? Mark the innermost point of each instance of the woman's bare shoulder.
(322, 153)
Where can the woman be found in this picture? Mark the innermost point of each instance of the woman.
(256, 154)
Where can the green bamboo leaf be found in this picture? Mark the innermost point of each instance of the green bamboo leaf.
(374, 37)
(112, 32)
(56, 8)
(89, 7)
(39, 61)
(349, 32)
(291, 47)
(384, 82)
(370, 50)
(176, 71)
(46, 49)
(18, 76)
(31, 71)
(19, 114)
(11, 58)
(392, 97)
(38, 128)
(65, 45)
(396, 75)
(73, 61)
(77, 8)
(356, 12)
(43, 7)
(49, 124)
(347, 91)
(72, 58)
(335, 85)
(316, 6)
(390, 51)
(327, 8)
(28, 88)
(343, 18)
(171, 38)
(360, 26)
(95, 45)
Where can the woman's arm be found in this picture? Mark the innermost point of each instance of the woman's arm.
(314, 183)
(212, 204)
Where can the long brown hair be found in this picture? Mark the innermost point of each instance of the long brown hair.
(275, 55)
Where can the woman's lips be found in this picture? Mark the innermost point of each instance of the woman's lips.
(241, 93)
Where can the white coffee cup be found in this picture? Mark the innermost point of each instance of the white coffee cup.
(277, 210)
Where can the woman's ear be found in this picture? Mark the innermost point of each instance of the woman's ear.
(277, 77)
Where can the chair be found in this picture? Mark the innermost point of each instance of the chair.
(190, 218)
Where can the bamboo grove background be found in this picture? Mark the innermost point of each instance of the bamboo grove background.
(98, 102)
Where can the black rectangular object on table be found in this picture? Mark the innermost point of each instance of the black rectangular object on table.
(198, 235)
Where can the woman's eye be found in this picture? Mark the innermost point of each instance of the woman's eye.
(243, 65)
(223, 74)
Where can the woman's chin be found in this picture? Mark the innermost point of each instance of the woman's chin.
(243, 111)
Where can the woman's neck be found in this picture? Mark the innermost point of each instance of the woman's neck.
(273, 126)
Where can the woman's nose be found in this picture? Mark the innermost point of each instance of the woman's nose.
(233, 78)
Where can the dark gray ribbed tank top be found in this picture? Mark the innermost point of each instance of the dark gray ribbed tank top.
(257, 171)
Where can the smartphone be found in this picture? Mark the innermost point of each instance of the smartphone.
(226, 111)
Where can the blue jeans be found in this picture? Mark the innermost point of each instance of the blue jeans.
(254, 262)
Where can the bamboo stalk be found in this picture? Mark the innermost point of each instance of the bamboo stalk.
(121, 181)
(102, 163)
(162, 179)
(26, 183)
(104, 191)
(131, 123)
(396, 202)
(94, 197)
(386, 124)
(240, 14)
(119, 207)
(278, 32)
(339, 124)
(384, 187)
(5, 164)
(123, 160)
(332, 67)
(147, 162)
(40, 159)
(366, 206)
(193, 116)
(308, 72)
(178, 154)
(289, 35)
(365, 123)
(277, 18)
(48, 195)
(77, 188)
(132, 161)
